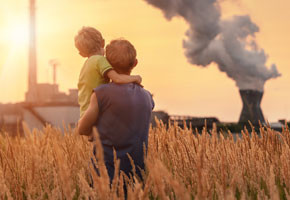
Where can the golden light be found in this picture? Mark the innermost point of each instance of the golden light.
(16, 35)
(19, 34)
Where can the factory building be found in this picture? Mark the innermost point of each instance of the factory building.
(44, 103)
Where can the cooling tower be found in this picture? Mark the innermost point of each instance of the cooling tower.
(251, 107)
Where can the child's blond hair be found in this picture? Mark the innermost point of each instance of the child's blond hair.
(121, 54)
(89, 41)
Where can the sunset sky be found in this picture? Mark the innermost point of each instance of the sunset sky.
(178, 87)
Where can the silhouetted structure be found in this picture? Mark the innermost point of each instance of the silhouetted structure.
(188, 121)
(31, 94)
(45, 92)
(194, 122)
(251, 107)
(159, 115)
(44, 103)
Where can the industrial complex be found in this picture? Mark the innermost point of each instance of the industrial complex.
(44, 103)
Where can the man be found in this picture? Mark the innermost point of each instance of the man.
(121, 113)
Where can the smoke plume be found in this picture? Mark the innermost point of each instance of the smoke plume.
(228, 43)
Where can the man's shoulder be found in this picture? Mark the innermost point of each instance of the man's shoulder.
(147, 92)
(104, 87)
(119, 91)
(101, 87)
(114, 86)
(143, 89)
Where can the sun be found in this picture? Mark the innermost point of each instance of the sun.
(16, 34)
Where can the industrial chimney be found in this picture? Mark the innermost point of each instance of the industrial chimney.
(251, 107)
(31, 95)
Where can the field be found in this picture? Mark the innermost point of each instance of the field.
(180, 165)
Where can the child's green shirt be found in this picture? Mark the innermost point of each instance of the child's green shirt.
(91, 76)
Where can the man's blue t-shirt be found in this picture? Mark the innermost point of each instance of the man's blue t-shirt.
(123, 123)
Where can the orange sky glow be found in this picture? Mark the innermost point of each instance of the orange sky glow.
(178, 87)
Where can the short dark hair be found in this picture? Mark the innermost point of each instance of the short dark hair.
(121, 54)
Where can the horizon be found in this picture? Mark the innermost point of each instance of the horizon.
(177, 90)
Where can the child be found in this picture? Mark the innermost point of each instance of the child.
(96, 69)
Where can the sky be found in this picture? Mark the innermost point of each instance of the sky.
(179, 88)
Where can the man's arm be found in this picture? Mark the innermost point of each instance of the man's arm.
(123, 78)
(90, 117)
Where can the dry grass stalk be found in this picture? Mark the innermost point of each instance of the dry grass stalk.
(180, 164)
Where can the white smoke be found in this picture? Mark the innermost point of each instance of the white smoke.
(228, 43)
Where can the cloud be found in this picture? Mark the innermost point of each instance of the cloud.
(229, 43)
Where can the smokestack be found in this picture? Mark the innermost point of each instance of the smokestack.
(32, 75)
(251, 107)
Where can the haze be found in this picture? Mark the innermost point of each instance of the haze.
(178, 87)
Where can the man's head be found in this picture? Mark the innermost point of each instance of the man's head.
(89, 41)
(122, 55)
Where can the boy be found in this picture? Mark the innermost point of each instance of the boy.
(96, 69)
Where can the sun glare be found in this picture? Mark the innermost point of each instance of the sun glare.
(16, 35)
(19, 34)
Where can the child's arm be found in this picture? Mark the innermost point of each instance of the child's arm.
(123, 78)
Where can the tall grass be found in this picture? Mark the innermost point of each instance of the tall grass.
(180, 164)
